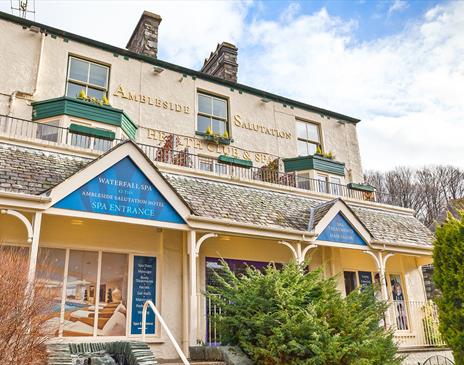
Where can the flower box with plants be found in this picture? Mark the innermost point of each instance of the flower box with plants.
(215, 137)
(320, 161)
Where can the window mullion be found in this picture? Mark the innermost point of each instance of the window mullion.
(63, 293)
(97, 294)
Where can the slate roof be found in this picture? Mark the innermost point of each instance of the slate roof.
(318, 212)
(263, 207)
(33, 171)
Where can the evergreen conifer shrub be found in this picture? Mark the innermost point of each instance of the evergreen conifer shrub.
(448, 258)
(290, 316)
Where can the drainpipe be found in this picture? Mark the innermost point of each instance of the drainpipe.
(39, 62)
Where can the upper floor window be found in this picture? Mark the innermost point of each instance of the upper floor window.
(88, 76)
(308, 137)
(212, 114)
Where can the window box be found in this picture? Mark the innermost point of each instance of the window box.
(85, 110)
(314, 162)
(361, 187)
(92, 132)
(235, 161)
(215, 138)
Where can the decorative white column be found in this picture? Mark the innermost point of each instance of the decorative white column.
(298, 253)
(33, 237)
(36, 225)
(381, 262)
(194, 250)
(193, 303)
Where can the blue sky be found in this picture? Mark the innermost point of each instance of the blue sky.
(375, 18)
(397, 64)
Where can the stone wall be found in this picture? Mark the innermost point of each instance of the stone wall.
(418, 357)
(134, 353)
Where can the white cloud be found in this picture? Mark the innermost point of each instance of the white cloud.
(407, 88)
(397, 5)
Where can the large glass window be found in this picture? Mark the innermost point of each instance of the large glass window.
(113, 295)
(350, 281)
(308, 137)
(212, 113)
(88, 76)
(81, 293)
(50, 273)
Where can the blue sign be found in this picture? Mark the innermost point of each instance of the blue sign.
(339, 230)
(365, 278)
(121, 190)
(143, 289)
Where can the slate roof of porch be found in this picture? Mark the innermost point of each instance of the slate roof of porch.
(33, 171)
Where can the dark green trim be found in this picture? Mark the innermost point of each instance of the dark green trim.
(314, 162)
(183, 70)
(361, 187)
(92, 132)
(86, 110)
(235, 161)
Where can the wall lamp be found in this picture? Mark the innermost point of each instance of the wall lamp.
(157, 70)
(265, 100)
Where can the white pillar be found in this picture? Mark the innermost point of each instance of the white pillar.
(381, 262)
(193, 310)
(34, 247)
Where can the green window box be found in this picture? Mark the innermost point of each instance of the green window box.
(314, 162)
(235, 161)
(92, 132)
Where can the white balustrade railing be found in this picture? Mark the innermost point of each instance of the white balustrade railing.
(416, 323)
(213, 336)
(158, 316)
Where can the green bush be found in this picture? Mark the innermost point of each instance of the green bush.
(291, 317)
(448, 258)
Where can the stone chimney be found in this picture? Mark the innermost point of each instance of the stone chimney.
(222, 62)
(144, 39)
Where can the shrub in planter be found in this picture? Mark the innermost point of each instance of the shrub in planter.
(292, 317)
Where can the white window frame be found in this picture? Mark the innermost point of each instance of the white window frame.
(130, 277)
(305, 140)
(211, 116)
(86, 85)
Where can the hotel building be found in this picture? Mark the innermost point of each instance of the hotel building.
(131, 177)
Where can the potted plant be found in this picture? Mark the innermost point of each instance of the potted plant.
(84, 97)
(217, 138)
(329, 155)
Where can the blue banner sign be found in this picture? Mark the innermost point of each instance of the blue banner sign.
(121, 190)
(143, 289)
(339, 230)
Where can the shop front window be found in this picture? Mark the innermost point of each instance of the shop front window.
(79, 315)
(50, 273)
(113, 295)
